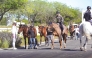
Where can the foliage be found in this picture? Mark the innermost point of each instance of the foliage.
(41, 11)
(6, 40)
(23, 20)
(4, 44)
(3, 22)
(7, 5)
(26, 21)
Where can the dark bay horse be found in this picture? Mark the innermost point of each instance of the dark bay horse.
(61, 35)
(72, 31)
(24, 29)
(43, 33)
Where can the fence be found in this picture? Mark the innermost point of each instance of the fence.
(5, 29)
(9, 29)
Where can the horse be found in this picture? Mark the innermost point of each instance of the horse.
(61, 35)
(72, 31)
(43, 33)
(85, 30)
(24, 29)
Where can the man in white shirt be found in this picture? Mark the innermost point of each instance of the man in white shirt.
(77, 32)
(14, 34)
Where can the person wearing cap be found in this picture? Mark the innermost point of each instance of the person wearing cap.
(14, 34)
(87, 15)
(59, 20)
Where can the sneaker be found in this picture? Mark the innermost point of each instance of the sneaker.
(31, 48)
(35, 48)
(15, 48)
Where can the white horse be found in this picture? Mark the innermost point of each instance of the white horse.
(85, 30)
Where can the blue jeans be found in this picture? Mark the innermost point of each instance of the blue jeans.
(50, 37)
(32, 42)
(77, 36)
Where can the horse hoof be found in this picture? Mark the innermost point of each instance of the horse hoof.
(46, 45)
(85, 50)
(51, 48)
(60, 47)
(82, 49)
(64, 47)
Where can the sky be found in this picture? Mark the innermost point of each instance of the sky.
(80, 4)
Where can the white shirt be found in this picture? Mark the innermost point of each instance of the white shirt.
(77, 30)
(14, 29)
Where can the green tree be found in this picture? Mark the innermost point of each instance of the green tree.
(7, 5)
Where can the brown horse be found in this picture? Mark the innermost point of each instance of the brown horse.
(71, 30)
(43, 33)
(24, 29)
(61, 35)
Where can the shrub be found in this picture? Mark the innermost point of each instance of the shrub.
(6, 40)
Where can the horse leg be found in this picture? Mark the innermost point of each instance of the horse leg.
(85, 45)
(40, 39)
(28, 42)
(81, 48)
(70, 35)
(25, 41)
(46, 38)
(64, 39)
(60, 41)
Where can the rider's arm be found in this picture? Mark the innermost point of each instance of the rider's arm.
(91, 14)
(84, 15)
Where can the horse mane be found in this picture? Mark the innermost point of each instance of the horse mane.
(23, 25)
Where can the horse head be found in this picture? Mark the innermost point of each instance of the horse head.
(40, 28)
(20, 29)
(23, 28)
